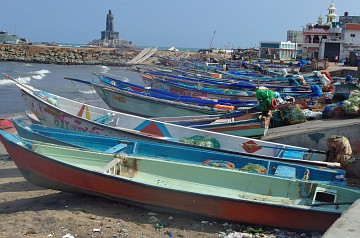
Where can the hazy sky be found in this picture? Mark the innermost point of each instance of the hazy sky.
(182, 23)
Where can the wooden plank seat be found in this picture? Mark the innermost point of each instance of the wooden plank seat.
(117, 148)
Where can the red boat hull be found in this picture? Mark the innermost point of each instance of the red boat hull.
(48, 173)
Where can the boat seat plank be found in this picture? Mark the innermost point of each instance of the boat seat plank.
(117, 148)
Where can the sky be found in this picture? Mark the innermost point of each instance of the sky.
(166, 23)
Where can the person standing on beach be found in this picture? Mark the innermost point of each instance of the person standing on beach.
(336, 59)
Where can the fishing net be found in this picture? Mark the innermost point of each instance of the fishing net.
(276, 119)
(292, 114)
(219, 163)
(201, 141)
(351, 105)
(256, 168)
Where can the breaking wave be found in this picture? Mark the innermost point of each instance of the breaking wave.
(23, 80)
(39, 74)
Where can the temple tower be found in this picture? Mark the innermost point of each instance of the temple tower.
(320, 20)
(331, 17)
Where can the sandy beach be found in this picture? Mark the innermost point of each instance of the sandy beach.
(30, 211)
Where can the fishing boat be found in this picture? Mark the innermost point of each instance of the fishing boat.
(248, 125)
(197, 89)
(239, 87)
(159, 93)
(142, 101)
(239, 99)
(287, 169)
(60, 112)
(172, 186)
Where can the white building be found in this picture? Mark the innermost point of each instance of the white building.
(351, 34)
(277, 50)
(298, 38)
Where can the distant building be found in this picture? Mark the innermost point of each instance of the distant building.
(277, 50)
(322, 40)
(313, 35)
(349, 19)
(350, 34)
(330, 39)
(298, 38)
(6, 38)
(109, 37)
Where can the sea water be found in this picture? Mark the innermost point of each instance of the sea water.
(50, 77)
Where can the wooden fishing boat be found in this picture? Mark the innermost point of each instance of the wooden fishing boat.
(180, 187)
(141, 101)
(248, 125)
(56, 111)
(214, 95)
(287, 169)
(303, 100)
(236, 86)
(197, 89)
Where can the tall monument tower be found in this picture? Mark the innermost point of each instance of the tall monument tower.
(109, 35)
(110, 38)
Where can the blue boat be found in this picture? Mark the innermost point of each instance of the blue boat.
(137, 100)
(290, 169)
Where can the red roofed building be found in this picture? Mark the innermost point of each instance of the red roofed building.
(351, 34)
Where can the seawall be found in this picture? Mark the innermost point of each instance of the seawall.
(314, 134)
(66, 55)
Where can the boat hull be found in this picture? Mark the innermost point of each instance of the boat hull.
(175, 153)
(76, 116)
(140, 105)
(40, 170)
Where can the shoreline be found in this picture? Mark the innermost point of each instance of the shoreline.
(44, 54)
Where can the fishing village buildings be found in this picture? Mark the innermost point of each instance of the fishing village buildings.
(338, 36)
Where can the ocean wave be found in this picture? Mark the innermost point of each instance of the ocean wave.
(41, 72)
(37, 76)
(6, 82)
(9, 81)
(24, 80)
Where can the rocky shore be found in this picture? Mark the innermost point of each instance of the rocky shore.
(73, 56)
(66, 55)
